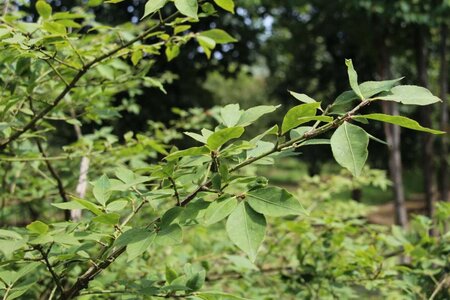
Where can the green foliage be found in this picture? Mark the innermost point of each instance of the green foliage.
(349, 145)
(144, 195)
(246, 229)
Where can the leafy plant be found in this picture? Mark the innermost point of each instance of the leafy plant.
(147, 193)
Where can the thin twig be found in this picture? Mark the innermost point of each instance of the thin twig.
(55, 58)
(439, 286)
(56, 278)
(56, 72)
(174, 185)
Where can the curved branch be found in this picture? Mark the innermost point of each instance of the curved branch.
(94, 270)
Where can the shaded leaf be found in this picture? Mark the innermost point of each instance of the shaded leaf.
(274, 201)
(38, 227)
(410, 94)
(226, 4)
(109, 218)
(222, 136)
(353, 78)
(170, 235)
(219, 36)
(188, 8)
(188, 152)
(44, 9)
(230, 114)
(252, 114)
(101, 189)
(135, 249)
(400, 121)
(246, 229)
(292, 117)
(349, 146)
(220, 209)
(153, 5)
(302, 97)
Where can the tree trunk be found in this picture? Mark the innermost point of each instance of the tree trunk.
(392, 133)
(426, 113)
(443, 86)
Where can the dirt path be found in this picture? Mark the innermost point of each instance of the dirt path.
(385, 214)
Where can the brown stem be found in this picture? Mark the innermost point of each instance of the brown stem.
(174, 186)
(56, 278)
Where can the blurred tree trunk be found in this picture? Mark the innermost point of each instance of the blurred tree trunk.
(443, 86)
(426, 113)
(392, 133)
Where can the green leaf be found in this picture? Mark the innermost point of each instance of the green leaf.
(226, 4)
(410, 94)
(196, 282)
(400, 121)
(207, 44)
(66, 239)
(222, 136)
(219, 36)
(343, 102)
(140, 244)
(181, 28)
(349, 146)
(302, 97)
(153, 5)
(171, 274)
(291, 119)
(38, 227)
(44, 9)
(89, 205)
(246, 229)
(124, 174)
(220, 209)
(110, 218)
(188, 8)
(196, 136)
(172, 52)
(261, 148)
(218, 296)
(274, 201)
(371, 88)
(230, 114)
(106, 71)
(68, 205)
(117, 205)
(171, 215)
(170, 235)
(194, 151)
(9, 234)
(54, 28)
(252, 114)
(102, 190)
(326, 119)
(353, 78)
(130, 236)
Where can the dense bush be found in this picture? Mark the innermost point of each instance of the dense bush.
(156, 221)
